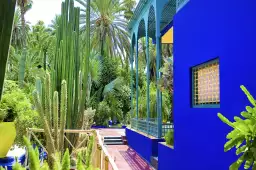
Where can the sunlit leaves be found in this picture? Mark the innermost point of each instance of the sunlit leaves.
(243, 135)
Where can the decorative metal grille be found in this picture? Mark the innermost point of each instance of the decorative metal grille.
(181, 3)
(150, 127)
(206, 86)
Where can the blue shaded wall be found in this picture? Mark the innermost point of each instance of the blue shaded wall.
(203, 30)
(143, 145)
(165, 157)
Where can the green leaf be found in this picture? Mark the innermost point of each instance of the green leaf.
(246, 115)
(232, 134)
(248, 163)
(249, 109)
(237, 164)
(241, 149)
(254, 166)
(233, 142)
(249, 96)
(225, 120)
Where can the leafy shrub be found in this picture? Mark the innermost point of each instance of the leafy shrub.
(166, 102)
(88, 118)
(64, 164)
(169, 137)
(243, 135)
(102, 113)
(16, 107)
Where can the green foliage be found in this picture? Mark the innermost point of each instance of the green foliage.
(108, 27)
(89, 152)
(88, 118)
(166, 102)
(109, 70)
(34, 162)
(66, 161)
(16, 107)
(17, 166)
(103, 113)
(169, 138)
(64, 164)
(242, 137)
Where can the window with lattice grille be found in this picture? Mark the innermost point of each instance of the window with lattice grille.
(206, 84)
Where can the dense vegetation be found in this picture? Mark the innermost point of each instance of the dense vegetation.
(75, 72)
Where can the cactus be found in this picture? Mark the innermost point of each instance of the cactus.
(63, 113)
(89, 152)
(56, 118)
(54, 138)
(70, 66)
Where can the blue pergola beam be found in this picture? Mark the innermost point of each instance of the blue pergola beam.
(137, 80)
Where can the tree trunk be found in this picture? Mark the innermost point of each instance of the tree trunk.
(23, 24)
(23, 59)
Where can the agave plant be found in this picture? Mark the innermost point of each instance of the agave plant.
(243, 135)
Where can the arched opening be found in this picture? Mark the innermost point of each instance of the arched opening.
(140, 69)
(133, 76)
(152, 64)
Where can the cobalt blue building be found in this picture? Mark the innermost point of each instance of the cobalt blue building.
(214, 53)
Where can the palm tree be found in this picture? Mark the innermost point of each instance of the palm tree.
(24, 6)
(54, 24)
(17, 37)
(129, 6)
(109, 27)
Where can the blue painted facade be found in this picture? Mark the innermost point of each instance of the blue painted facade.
(204, 30)
(143, 145)
(166, 156)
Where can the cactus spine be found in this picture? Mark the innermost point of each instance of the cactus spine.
(54, 139)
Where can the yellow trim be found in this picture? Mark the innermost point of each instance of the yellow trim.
(168, 37)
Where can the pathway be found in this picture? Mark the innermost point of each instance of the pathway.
(124, 157)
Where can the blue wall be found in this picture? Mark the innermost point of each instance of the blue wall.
(203, 30)
(143, 145)
(165, 157)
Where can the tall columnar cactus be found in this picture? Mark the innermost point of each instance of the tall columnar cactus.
(70, 66)
(54, 137)
(56, 118)
(63, 112)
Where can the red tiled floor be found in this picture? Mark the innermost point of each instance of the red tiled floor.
(124, 157)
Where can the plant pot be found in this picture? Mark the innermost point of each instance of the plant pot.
(7, 136)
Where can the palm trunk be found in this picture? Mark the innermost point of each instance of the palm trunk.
(23, 24)
(22, 64)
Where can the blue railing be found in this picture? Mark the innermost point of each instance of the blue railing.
(180, 4)
(150, 127)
